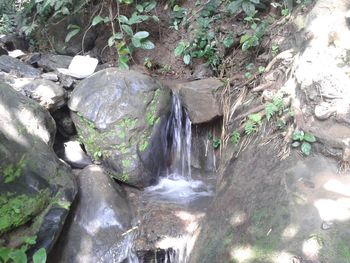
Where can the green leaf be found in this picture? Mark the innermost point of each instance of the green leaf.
(187, 59)
(255, 1)
(228, 41)
(255, 118)
(29, 240)
(147, 44)
(123, 19)
(118, 35)
(127, 29)
(136, 42)
(122, 65)
(72, 34)
(155, 18)
(151, 6)
(248, 8)
(96, 20)
(111, 41)
(180, 48)
(235, 138)
(40, 256)
(18, 256)
(309, 137)
(5, 254)
(139, 8)
(244, 38)
(306, 148)
(141, 34)
(234, 7)
(270, 110)
(216, 143)
(298, 136)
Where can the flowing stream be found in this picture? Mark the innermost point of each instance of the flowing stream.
(177, 186)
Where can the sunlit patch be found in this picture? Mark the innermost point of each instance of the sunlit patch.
(290, 231)
(333, 209)
(189, 219)
(311, 248)
(338, 187)
(242, 254)
(238, 218)
(282, 257)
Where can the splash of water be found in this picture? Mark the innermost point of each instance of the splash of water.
(178, 142)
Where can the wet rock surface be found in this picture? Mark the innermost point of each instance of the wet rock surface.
(31, 174)
(100, 217)
(200, 99)
(9, 64)
(118, 115)
(49, 95)
(51, 62)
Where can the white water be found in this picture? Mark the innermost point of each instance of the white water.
(177, 186)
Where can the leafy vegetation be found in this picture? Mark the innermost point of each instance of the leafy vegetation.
(276, 106)
(11, 172)
(304, 140)
(18, 255)
(253, 124)
(235, 138)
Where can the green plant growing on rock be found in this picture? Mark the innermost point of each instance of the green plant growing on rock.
(248, 6)
(18, 255)
(11, 172)
(251, 40)
(274, 107)
(304, 140)
(253, 124)
(235, 138)
(216, 143)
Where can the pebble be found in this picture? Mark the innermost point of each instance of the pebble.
(323, 111)
(327, 225)
(50, 76)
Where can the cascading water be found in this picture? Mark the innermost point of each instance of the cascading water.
(178, 141)
(176, 187)
(177, 184)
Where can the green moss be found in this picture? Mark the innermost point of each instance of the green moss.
(11, 172)
(16, 211)
(151, 112)
(126, 163)
(124, 177)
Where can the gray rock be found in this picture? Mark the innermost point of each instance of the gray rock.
(8, 64)
(202, 71)
(30, 173)
(200, 99)
(323, 111)
(12, 42)
(94, 230)
(117, 116)
(3, 51)
(50, 76)
(66, 81)
(50, 62)
(47, 93)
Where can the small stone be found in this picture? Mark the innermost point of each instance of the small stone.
(50, 76)
(327, 225)
(67, 81)
(295, 144)
(323, 111)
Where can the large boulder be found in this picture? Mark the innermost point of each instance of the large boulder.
(95, 231)
(268, 210)
(36, 188)
(118, 115)
(201, 100)
(10, 64)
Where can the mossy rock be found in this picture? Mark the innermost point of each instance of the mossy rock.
(118, 115)
(36, 188)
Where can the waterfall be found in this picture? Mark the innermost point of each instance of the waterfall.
(178, 141)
